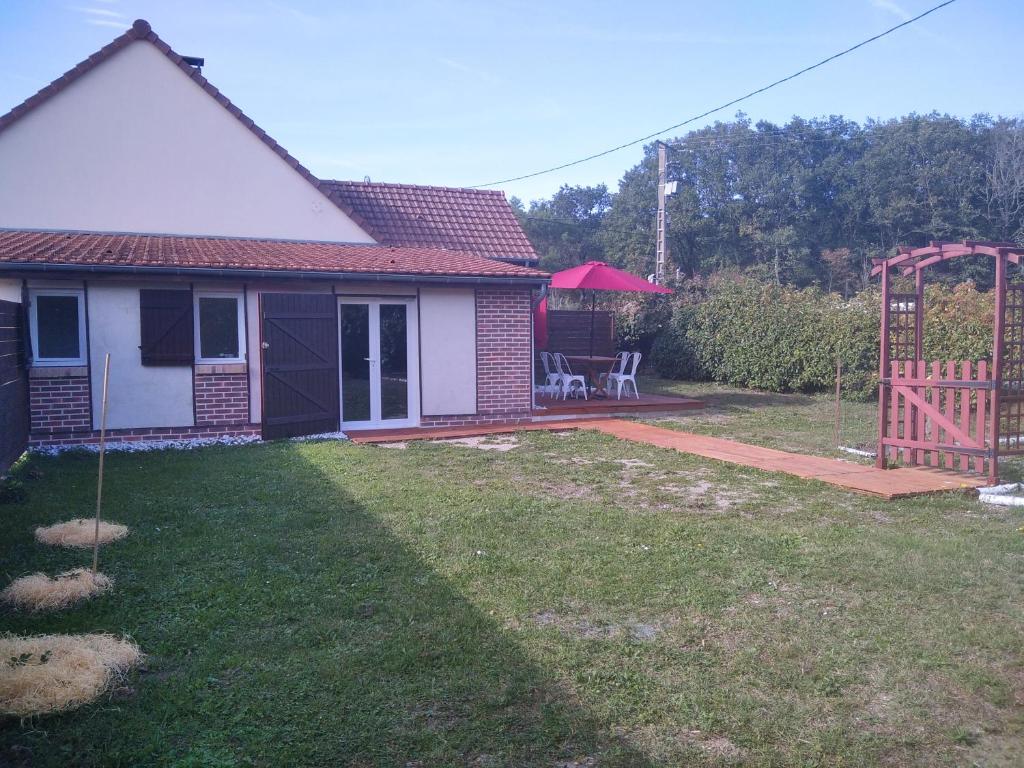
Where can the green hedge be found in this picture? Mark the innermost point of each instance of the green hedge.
(764, 336)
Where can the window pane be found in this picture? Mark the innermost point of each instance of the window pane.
(218, 328)
(355, 366)
(394, 368)
(57, 322)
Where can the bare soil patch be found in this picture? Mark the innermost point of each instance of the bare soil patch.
(596, 630)
(499, 443)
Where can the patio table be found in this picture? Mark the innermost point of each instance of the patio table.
(594, 365)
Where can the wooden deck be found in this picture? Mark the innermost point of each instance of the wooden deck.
(884, 483)
(646, 404)
(364, 436)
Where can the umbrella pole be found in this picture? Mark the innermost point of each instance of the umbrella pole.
(593, 301)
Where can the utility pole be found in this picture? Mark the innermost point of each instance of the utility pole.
(661, 249)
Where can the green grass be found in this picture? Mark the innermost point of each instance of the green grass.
(576, 597)
(801, 423)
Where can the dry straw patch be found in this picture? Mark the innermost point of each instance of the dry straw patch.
(80, 532)
(39, 592)
(51, 673)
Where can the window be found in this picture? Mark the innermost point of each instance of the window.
(57, 326)
(220, 328)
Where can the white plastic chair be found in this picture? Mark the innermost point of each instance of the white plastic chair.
(620, 380)
(552, 378)
(618, 367)
(569, 379)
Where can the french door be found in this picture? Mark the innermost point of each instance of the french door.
(379, 362)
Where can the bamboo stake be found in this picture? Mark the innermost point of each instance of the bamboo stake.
(839, 378)
(99, 483)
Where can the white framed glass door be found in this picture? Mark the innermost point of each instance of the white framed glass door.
(379, 362)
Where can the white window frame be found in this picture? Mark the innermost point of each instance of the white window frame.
(240, 304)
(33, 316)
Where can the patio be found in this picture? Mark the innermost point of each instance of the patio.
(647, 404)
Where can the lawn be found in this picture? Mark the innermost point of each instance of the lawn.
(800, 423)
(573, 601)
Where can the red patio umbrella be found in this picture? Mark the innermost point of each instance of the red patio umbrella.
(597, 276)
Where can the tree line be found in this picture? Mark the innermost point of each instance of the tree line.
(807, 203)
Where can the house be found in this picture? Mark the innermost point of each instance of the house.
(142, 214)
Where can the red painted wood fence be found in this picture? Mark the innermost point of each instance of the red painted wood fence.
(939, 414)
(948, 414)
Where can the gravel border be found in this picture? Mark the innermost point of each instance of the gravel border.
(147, 446)
(319, 436)
(188, 444)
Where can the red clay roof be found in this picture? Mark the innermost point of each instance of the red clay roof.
(133, 251)
(476, 220)
(141, 30)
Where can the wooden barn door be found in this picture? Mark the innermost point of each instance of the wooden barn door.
(14, 413)
(300, 364)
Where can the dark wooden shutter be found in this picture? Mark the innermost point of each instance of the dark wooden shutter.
(300, 364)
(166, 321)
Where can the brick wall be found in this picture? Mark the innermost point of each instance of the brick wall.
(222, 398)
(135, 435)
(59, 405)
(503, 342)
(60, 414)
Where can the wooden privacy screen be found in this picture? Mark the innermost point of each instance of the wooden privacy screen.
(569, 332)
(14, 415)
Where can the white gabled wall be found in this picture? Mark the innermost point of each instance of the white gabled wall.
(138, 396)
(135, 145)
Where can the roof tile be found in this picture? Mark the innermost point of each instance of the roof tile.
(133, 250)
(477, 220)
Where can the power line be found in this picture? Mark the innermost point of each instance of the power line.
(728, 104)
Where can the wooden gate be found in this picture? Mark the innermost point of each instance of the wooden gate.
(939, 414)
(14, 414)
(300, 364)
(949, 416)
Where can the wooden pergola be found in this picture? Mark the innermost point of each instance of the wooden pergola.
(951, 414)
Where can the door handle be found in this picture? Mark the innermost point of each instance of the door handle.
(265, 345)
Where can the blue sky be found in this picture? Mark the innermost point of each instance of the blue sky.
(462, 92)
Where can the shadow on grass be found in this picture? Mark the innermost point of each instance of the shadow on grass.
(289, 625)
